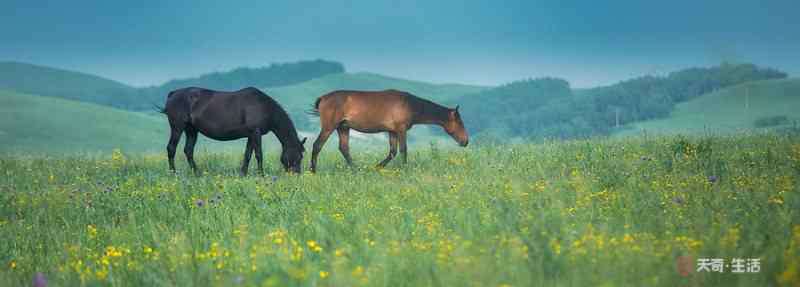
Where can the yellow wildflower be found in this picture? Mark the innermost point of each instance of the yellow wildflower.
(91, 230)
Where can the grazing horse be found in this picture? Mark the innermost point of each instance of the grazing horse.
(224, 116)
(389, 111)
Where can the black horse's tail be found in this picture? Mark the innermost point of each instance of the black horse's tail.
(314, 111)
(160, 109)
(163, 109)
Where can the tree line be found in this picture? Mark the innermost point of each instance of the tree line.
(549, 108)
(274, 75)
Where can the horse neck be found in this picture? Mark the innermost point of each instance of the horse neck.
(430, 113)
(284, 130)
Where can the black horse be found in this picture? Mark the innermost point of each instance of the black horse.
(228, 116)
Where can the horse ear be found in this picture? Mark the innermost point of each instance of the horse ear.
(302, 142)
(456, 108)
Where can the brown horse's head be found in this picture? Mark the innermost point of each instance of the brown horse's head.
(292, 156)
(455, 127)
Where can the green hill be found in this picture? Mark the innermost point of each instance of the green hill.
(295, 84)
(47, 81)
(52, 82)
(732, 109)
(274, 75)
(46, 124)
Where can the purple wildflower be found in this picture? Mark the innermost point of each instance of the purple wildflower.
(712, 179)
(274, 178)
(39, 280)
(200, 203)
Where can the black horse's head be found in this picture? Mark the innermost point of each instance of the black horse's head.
(292, 156)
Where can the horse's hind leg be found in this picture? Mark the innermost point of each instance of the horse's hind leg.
(344, 143)
(402, 138)
(188, 148)
(318, 143)
(392, 149)
(174, 138)
(259, 153)
(248, 153)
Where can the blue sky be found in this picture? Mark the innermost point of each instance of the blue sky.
(589, 43)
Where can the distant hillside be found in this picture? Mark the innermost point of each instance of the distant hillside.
(275, 75)
(40, 80)
(52, 82)
(544, 109)
(297, 99)
(35, 123)
(508, 109)
(731, 109)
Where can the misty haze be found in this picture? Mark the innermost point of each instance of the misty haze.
(445, 143)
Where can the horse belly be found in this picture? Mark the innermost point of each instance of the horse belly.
(372, 120)
(220, 131)
(369, 130)
(364, 126)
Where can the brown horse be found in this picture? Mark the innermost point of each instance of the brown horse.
(247, 113)
(389, 111)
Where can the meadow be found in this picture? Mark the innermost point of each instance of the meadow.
(598, 212)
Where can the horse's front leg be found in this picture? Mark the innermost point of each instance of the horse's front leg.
(318, 143)
(248, 153)
(392, 150)
(259, 153)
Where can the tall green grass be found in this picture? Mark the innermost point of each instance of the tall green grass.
(579, 213)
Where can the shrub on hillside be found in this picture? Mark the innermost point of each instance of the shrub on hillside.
(770, 121)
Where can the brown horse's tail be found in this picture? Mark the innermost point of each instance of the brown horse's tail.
(314, 111)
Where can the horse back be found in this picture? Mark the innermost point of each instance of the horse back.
(220, 114)
(366, 111)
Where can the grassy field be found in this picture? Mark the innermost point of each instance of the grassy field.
(580, 213)
(729, 110)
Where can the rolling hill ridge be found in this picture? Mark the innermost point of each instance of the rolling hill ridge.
(737, 108)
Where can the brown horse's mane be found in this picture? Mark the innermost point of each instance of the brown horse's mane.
(426, 111)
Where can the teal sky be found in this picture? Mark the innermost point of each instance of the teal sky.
(589, 43)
